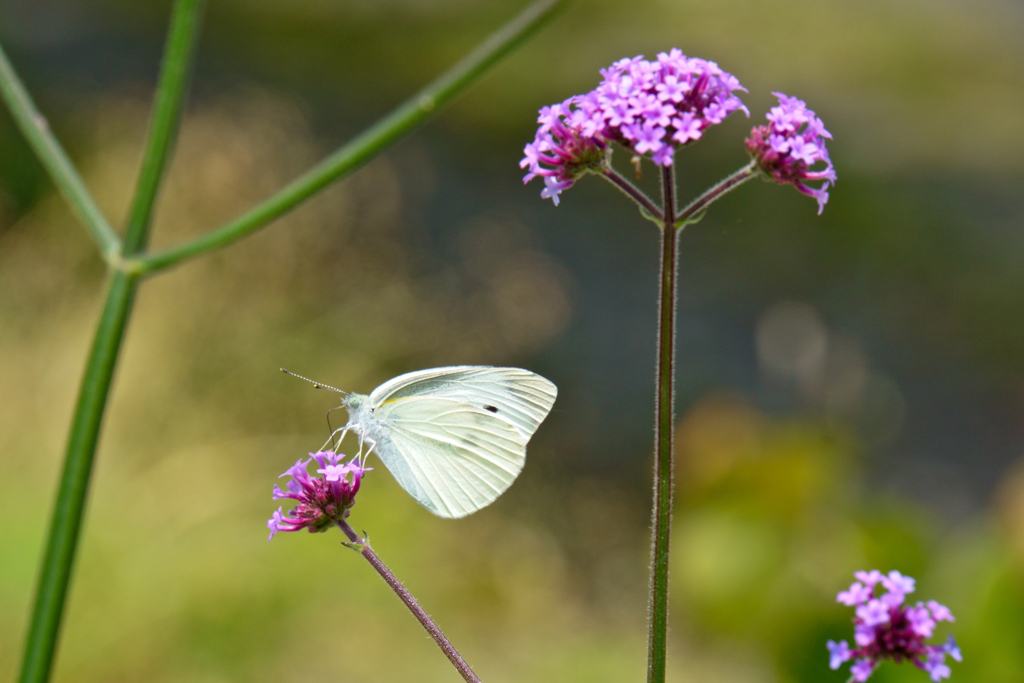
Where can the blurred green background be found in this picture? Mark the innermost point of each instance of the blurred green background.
(851, 387)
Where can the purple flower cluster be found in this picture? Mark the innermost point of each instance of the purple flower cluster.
(792, 142)
(322, 500)
(650, 107)
(885, 628)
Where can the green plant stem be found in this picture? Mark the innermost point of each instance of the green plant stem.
(176, 67)
(363, 546)
(69, 508)
(663, 432)
(55, 573)
(51, 155)
(366, 145)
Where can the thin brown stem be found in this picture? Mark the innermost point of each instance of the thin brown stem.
(726, 185)
(663, 431)
(363, 546)
(633, 192)
(668, 193)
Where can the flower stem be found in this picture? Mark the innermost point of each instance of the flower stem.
(716, 192)
(363, 546)
(367, 144)
(186, 19)
(69, 507)
(55, 573)
(51, 155)
(663, 432)
(633, 192)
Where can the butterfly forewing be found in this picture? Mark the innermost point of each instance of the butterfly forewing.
(513, 395)
(451, 456)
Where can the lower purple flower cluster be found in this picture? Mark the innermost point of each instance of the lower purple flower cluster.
(322, 500)
(885, 628)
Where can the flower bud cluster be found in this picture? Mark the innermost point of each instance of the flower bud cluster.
(885, 628)
(792, 142)
(322, 500)
(649, 107)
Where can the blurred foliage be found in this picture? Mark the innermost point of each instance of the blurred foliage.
(850, 386)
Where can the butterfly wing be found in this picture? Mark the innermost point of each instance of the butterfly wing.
(451, 456)
(518, 397)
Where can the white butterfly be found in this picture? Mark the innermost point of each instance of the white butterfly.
(454, 438)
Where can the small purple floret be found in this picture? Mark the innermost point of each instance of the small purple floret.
(936, 666)
(785, 150)
(875, 612)
(649, 107)
(885, 628)
(838, 653)
(952, 649)
(857, 594)
(940, 612)
(861, 670)
(921, 620)
(321, 500)
(869, 578)
(897, 583)
(334, 472)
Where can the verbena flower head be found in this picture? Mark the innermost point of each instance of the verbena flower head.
(886, 628)
(791, 143)
(568, 142)
(322, 500)
(650, 107)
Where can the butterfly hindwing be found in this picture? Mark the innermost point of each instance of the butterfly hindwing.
(451, 456)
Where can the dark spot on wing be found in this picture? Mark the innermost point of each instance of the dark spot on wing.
(491, 408)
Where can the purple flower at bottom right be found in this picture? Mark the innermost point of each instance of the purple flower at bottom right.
(886, 628)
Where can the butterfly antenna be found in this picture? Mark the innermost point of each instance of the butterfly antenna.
(316, 385)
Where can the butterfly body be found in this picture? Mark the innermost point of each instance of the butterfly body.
(454, 438)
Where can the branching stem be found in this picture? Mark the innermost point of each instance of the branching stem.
(51, 155)
(69, 506)
(727, 184)
(633, 192)
(129, 263)
(412, 113)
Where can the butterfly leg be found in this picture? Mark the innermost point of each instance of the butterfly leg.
(330, 440)
(372, 445)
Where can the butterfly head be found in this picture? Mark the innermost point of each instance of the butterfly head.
(360, 411)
